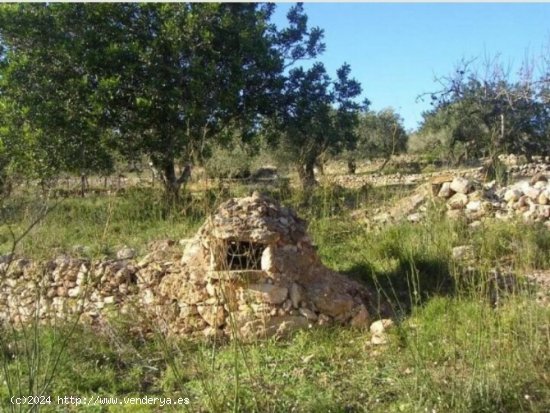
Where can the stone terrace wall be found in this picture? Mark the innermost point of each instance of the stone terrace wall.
(251, 270)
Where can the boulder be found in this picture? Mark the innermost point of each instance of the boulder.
(512, 195)
(268, 293)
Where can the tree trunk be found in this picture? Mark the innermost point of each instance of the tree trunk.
(385, 163)
(83, 184)
(307, 175)
(172, 183)
(320, 167)
(352, 166)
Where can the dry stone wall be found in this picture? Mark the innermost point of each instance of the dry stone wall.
(250, 271)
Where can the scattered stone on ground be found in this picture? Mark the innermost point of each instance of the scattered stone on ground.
(126, 253)
(463, 253)
(378, 331)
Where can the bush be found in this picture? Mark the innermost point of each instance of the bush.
(225, 162)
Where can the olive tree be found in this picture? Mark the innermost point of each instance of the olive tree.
(163, 80)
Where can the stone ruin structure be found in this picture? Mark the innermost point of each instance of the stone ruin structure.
(250, 271)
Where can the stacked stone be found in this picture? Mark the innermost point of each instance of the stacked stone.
(66, 286)
(519, 165)
(531, 199)
(199, 293)
(529, 169)
(465, 197)
(376, 179)
(17, 301)
(288, 289)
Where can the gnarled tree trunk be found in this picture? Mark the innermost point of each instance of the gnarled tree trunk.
(172, 182)
(307, 175)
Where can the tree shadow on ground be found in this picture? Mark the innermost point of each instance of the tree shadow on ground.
(411, 283)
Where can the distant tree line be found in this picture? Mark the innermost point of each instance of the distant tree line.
(84, 86)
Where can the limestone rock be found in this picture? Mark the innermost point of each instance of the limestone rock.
(490, 186)
(380, 326)
(74, 292)
(295, 295)
(282, 326)
(333, 305)
(214, 314)
(192, 295)
(407, 205)
(415, 217)
(532, 193)
(538, 177)
(473, 205)
(308, 314)
(268, 293)
(268, 260)
(461, 185)
(542, 185)
(512, 195)
(445, 191)
(457, 201)
(125, 253)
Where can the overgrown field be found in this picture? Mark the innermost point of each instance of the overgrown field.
(459, 344)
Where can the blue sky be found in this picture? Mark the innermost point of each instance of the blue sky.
(396, 49)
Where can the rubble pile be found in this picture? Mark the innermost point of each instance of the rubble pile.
(465, 197)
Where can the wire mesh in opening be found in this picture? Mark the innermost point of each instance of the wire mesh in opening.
(243, 255)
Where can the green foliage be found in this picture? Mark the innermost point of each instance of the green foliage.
(381, 134)
(317, 115)
(229, 161)
(164, 80)
(48, 119)
(435, 142)
(486, 115)
(100, 224)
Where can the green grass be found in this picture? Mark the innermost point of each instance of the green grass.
(451, 351)
(450, 355)
(101, 224)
